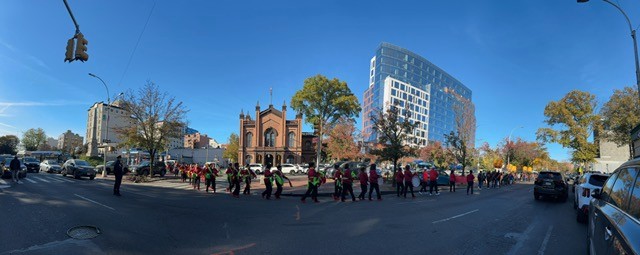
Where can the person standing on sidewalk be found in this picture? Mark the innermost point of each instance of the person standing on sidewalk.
(363, 182)
(312, 186)
(373, 182)
(470, 178)
(347, 183)
(14, 166)
(268, 183)
(425, 181)
(280, 177)
(408, 184)
(399, 183)
(337, 181)
(433, 181)
(117, 172)
(480, 179)
(452, 181)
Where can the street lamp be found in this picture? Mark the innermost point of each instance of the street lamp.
(633, 36)
(106, 133)
(509, 142)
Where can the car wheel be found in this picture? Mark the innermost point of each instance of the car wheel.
(163, 173)
(536, 196)
(76, 175)
(64, 172)
(91, 177)
(580, 216)
(145, 172)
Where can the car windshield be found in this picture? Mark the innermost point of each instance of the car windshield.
(146, 163)
(29, 160)
(82, 163)
(50, 162)
(551, 175)
(598, 180)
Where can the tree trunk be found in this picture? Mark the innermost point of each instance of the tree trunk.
(393, 178)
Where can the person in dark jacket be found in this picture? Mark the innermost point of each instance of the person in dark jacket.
(363, 182)
(118, 173)
(14, 166)
(373, 182)
(470, 178)
(347, 183)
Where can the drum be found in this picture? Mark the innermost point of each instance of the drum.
(415, 181)
(380, 181)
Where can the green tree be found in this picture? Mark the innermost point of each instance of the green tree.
(324, 102)
(621, 114)
(575, 118)
(9, 144)
(393, 130)
(33, 138)
(232, 148)
(156, 119)
(460, 142)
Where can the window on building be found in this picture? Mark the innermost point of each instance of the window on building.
(291, 139)
(290, 159)
(270, 138)
(248, 139)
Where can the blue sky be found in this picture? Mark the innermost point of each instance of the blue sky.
(220, 57)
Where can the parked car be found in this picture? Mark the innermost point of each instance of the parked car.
(614, 213)
(353, 166)
(50, 166)
(78, 168)
(143, 169)
(551, 184)
(100, 168)
(584, 185)
(6, 173)
(289, 169)
(256, 168)
(33, 165)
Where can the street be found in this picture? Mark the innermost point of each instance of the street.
(162, 218)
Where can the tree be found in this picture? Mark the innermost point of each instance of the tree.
(324, 102)
(621, 114)
(341, 144)
(156, 119)
(34, 138)
(460, 141)
(574, 113)
(435, 153)
(9, 144)
(232, 148)
(393, 132)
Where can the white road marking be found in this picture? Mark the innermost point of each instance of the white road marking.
(523, 238)
(546, 241)
(41, 179)
(29, 180)
(93, 201)
(64, 179)
(457, 216)
(3, 182)
(415, 202)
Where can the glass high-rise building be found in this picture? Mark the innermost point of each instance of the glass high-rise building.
(432, 95)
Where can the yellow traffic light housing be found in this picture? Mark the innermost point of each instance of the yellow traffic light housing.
(71, 44)
(81, 48)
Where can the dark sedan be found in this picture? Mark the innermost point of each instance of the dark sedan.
(33, 165)
(78, 168)
(100, 168)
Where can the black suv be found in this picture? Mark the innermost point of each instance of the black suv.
(614, 213)
(143, 168)
(551, 184)
(33, 165)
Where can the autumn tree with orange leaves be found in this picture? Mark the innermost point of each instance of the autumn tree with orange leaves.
(341, 144)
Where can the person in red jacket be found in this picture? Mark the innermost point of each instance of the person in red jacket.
(337, 181)
(470, 178)
(373, 182)
(267, 182)
(347, 183)
(408, 185)
(314, 182)
(433, 181)
(452, 181)
(363, 182)
(399, 182)
(247, 175)
(425, 181)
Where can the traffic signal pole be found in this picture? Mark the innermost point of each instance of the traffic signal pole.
(72, 17)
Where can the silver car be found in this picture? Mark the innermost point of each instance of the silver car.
(50, 166)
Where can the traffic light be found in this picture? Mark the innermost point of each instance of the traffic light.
(69, 53)
(316, 128)
(81, 48)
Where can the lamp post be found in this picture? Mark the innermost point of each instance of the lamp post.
(509, 142)
(633, 36)
(106, 133)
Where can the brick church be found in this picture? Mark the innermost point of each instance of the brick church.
(271, 138)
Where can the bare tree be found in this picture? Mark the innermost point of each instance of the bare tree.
(156, 119)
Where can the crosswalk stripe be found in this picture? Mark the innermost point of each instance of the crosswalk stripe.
(64, 179)
(3, 182)
(41, 179)
(29, 180)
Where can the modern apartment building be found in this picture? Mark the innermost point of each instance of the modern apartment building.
(433, 97)
(69, 142)
(97, 123)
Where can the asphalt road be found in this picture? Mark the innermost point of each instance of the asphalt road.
(165, 219)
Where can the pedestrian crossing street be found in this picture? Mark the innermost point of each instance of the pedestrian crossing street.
(39, 179)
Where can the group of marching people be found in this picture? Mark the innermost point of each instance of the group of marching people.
(407, 179)
(194, 174)
(344, 179)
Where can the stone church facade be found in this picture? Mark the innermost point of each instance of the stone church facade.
(271, 138)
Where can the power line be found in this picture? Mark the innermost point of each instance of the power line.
(137, 42)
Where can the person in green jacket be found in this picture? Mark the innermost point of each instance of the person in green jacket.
(280, 177)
